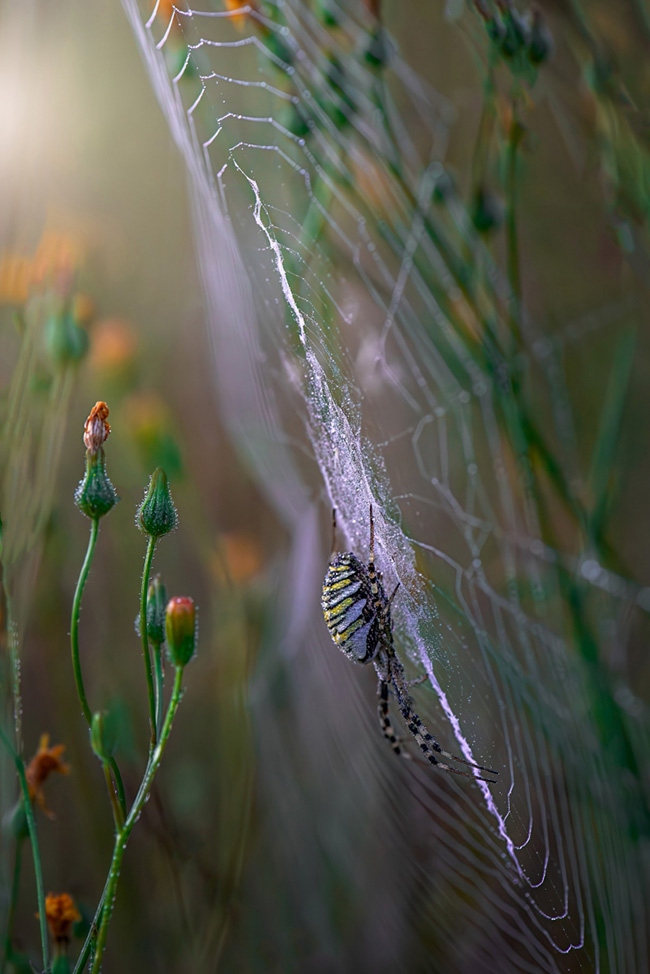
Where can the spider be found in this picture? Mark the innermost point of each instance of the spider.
(357, 613)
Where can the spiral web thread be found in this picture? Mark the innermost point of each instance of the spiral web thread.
(313, 149)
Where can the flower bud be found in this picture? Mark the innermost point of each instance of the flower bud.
(95, 496)
(96, 427)
(66, 341)
(103, 734)
(181, 629)
(156, 515)
(156, 605)
(15, 821)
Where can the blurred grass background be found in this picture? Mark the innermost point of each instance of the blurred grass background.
(94, 193)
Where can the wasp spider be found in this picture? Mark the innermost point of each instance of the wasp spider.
(357, 613)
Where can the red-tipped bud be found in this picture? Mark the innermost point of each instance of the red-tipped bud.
(181, 629)
(96, 428)
(95, 495)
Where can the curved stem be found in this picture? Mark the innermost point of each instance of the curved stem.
(74, 622)
(33, 838)
(123, 835)
(148, 558)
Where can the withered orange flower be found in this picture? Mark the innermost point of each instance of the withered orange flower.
(46, 760)
(60, 913)
(96, 428)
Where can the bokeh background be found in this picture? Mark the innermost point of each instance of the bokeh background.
(280, 836)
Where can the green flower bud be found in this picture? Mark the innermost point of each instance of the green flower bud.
(181, 628)
(156, 605)
(66, 341)
(15, 821)
(95, 496)
(103, 734)
(156, 515)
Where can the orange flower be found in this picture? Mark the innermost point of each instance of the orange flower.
(60, 913)
(46, 760)
(240, 11)
(15, 275)
(114, 345)
(242, 554)
(96, 428)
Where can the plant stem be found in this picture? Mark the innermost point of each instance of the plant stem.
(74, 622)
(76, 663)
(159, 681)
(118, 815)
(33, 838)
(124, 833)
(148, 558)
(119, 785)
(15, 887)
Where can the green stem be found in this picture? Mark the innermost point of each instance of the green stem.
(148, 558)
(15, 887)
(119, 785)
(117, 808)
(159, 681)
(33, 838)
(74, 622)
(76, 663)
(123, 835)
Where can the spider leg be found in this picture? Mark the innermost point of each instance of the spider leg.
(384, 720)
(420, 679)
(429, 745)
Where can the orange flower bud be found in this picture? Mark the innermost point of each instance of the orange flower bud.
(96, 428)
(180, 626)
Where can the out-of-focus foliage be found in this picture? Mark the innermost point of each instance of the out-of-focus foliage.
(457, 195)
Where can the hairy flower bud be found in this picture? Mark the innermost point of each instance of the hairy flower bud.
(156, 515)
(181, 629)
(156, 605)
(95, 496)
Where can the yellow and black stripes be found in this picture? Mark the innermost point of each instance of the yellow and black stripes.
(349, 609)
(358, 617)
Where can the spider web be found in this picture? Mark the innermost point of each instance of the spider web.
(356, 362)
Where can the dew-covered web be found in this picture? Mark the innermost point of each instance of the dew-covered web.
(357, 363)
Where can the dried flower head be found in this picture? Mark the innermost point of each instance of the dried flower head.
(46, 760)
(96, 428)
(60, 913)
